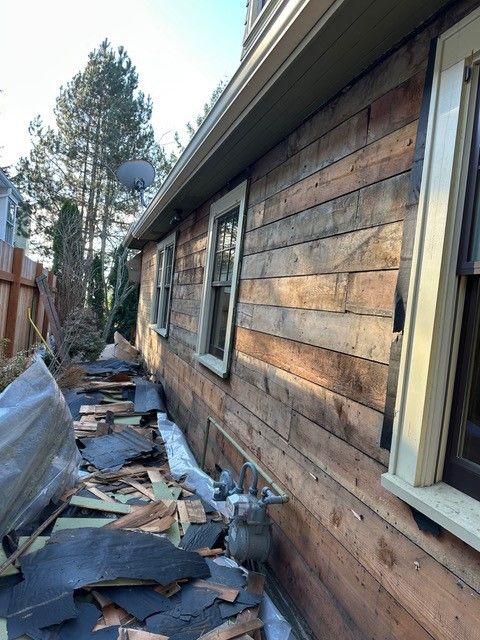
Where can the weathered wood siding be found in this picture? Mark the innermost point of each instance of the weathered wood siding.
(311, 357)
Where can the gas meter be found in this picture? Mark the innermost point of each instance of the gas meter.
(250, 529)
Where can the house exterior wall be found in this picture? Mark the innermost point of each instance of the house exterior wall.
(308, 384)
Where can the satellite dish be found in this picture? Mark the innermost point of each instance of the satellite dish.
(136, 175)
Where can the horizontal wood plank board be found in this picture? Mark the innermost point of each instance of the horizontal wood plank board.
(363, 336)
(374, 249)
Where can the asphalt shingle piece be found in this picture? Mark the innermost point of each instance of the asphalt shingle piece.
(77, 557)
(113, 450)
(201, 536)
(140, 601)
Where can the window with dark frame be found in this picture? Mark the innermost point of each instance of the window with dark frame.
(225, 246)
(462, 461)
(164, 279)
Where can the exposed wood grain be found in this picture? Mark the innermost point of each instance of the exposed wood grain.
(327, 219)
(324, 292)
(233, 630)
(359, 335)
(341, 141)
(396, 108)
(354, 422)
(349, 376)
(380, 160)
(372, 249)
(141, 515)
(371, 292)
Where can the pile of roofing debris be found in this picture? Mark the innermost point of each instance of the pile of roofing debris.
(130, 553)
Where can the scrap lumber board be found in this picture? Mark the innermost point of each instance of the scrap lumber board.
(94, 490)
(100, 505)
(233, 630)
(191, 511)
(159, 525)
(101, 409)
(140, 487)
(139, 634)
(140, 515)
(80, 523)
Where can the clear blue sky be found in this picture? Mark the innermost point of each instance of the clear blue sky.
(181, 49)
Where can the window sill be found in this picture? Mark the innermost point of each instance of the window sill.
(453, 510)
(214, 364)
(161, 332)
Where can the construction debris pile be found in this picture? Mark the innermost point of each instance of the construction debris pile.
(129, 552)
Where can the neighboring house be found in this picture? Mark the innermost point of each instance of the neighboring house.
(10, 199)
(320, 299)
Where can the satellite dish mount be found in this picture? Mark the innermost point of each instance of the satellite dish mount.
(136, 176)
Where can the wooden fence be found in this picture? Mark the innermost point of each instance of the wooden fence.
(18, 294)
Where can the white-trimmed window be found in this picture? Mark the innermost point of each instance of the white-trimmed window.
(435, 456)
(163, 285)
(225, 233)
(10, 222)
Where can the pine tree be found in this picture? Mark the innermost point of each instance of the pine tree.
(124, 298)
(96, 290)
(68, 260)
(101, 120)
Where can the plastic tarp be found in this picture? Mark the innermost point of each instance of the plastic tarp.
(182, 462)
(38, 455)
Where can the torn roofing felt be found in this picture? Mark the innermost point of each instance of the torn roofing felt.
(140, 601)
(148, 396)
(75, 558)
(76, 400)
(178, 624)
(109, 366)
(201, 536)
(115, 449)
(79, 628)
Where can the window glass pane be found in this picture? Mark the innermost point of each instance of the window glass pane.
(11, 212)
(221, 302)
(225, 247)
(469, 443)
(474, 252)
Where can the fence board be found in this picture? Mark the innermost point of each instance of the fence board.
(18, 294)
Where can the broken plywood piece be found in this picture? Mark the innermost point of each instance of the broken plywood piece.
(100, 505)
(159, 525)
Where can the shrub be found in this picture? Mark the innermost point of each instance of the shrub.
(11, 368)
(83, 338)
